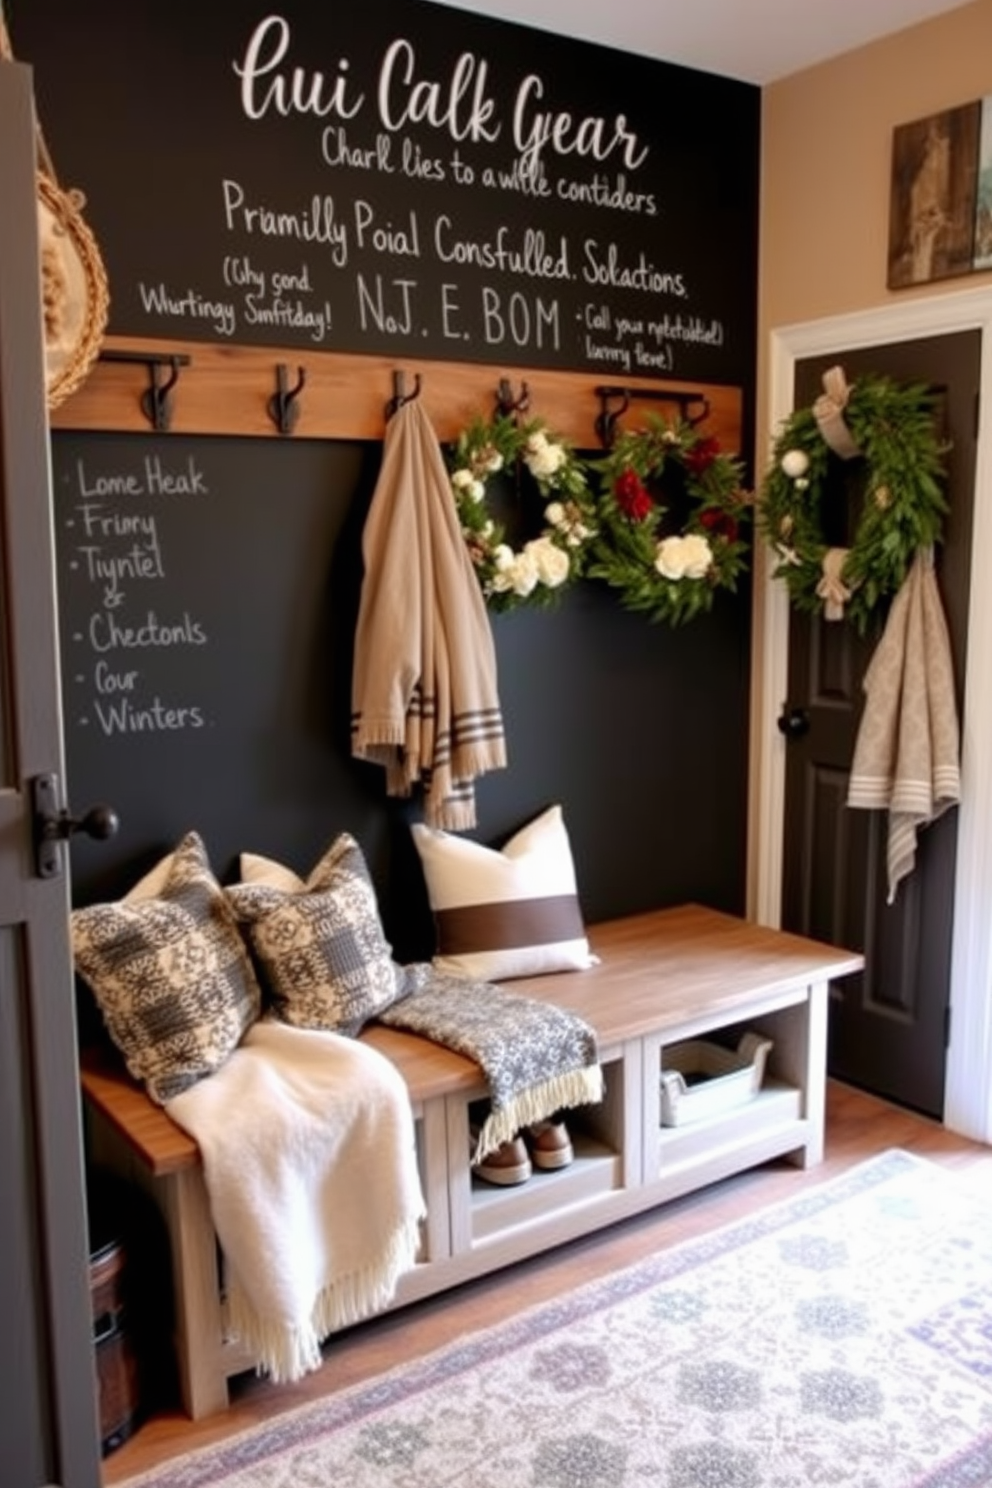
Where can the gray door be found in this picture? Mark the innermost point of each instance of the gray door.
(48, 1416)
(888, 1026)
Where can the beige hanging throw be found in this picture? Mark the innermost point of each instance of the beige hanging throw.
(75, 297)
(907, 750)
(424, 691)
(828, 410)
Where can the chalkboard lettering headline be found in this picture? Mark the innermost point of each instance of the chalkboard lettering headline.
(387, 181)
(459, 106)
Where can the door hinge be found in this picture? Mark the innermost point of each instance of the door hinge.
(947, 1026)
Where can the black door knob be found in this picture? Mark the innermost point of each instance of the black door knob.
(793, 722)
(54, 824)
(99, 822)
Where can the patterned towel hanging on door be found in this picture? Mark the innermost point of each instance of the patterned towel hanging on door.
(906, 757)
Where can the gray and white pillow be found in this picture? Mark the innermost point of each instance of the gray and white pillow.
(170, 972)
(320, 943)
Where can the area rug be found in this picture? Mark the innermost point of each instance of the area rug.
(842, 1338)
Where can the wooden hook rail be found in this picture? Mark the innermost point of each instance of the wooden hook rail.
(228, 390)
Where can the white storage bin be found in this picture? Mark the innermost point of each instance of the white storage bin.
(701, 1079)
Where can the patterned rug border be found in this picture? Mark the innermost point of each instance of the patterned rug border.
(211, 1465)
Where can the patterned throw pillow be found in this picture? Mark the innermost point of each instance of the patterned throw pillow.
(170, 972)
(513, 913)
(321, 943)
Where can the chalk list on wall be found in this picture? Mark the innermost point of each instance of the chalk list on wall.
(118, 529)
(200, 584)
(401, 177)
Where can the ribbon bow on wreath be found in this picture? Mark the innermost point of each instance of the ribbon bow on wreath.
(892, 429)
(670, 575)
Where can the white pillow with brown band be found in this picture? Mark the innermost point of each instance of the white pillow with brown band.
(508, 913)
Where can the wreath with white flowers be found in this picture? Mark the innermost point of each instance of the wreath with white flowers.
(890, 428)
(536, 573)
(670, 575)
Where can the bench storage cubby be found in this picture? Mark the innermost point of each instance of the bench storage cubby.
(663, 978)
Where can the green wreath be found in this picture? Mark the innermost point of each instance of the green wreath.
(891, 429)
(669, 575)
(537, 573)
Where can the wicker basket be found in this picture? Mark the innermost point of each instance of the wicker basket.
(75, 293)
(74, 287)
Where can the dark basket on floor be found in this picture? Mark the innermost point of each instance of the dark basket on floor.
(131, 1297)
(117, 1367)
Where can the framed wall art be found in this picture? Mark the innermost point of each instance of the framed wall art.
(940, 216)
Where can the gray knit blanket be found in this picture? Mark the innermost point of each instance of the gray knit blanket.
(537, 1058)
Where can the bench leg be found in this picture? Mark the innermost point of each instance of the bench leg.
(814, 1073)
(800, 1034)
(196, 1284)
(181, 1199)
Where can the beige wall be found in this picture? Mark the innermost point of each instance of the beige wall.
(826, 161)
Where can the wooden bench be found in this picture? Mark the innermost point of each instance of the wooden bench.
(663, 977)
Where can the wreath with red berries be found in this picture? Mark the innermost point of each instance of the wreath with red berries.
(671, 518)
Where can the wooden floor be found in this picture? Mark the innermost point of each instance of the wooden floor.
(858, 1126)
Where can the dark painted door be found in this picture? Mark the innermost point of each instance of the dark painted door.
(48, 1414)
(888, 1025)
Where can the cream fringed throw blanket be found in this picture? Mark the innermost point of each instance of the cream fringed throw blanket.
(424, 698)
(291, 1131)
(906, 754)
(537, 1058)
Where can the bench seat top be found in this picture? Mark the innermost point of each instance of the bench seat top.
(656, 970)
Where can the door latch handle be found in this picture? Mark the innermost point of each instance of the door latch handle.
(53, 824)
(793, 722)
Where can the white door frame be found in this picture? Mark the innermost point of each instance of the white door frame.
(968, 1094)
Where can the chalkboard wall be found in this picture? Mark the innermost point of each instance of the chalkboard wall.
(400, 177)
(380, 187)
(208, 593)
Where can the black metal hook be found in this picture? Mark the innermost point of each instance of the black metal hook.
(282, 406)
(506, 404)
(400, 395)
(606, 422)
(156, 400)
(607, 418)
